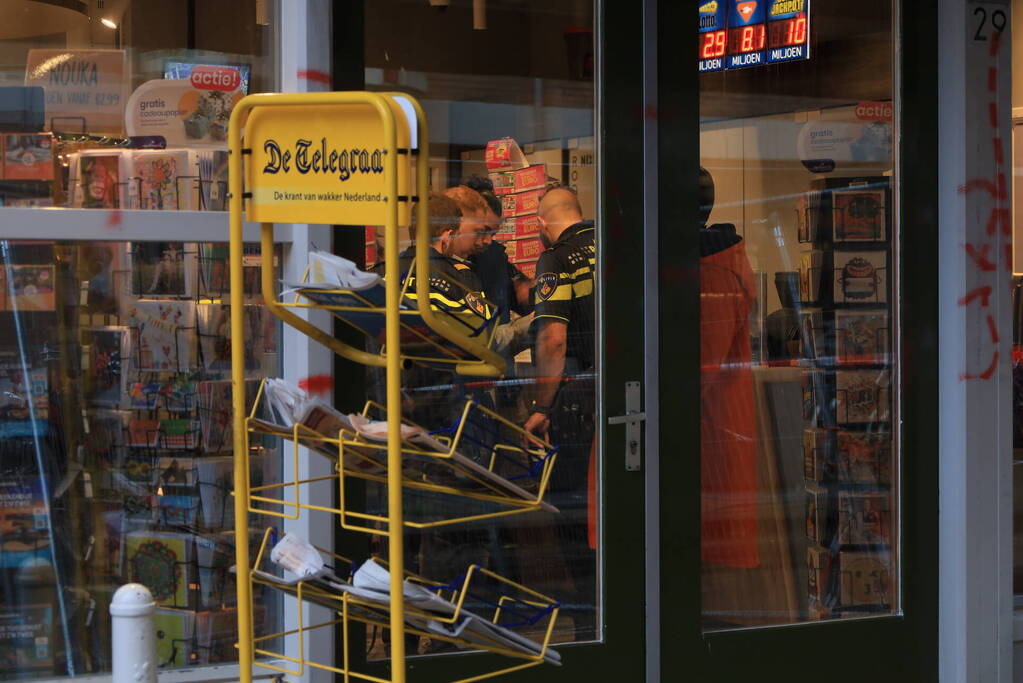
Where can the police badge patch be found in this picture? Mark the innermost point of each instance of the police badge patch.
(475, 303)
(545, 285)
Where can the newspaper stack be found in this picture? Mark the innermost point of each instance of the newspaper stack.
(287, 405)
(371, 585)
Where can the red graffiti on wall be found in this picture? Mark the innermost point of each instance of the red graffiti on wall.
(999, 226)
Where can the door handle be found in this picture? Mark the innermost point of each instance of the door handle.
(628, 418)
(633, 431)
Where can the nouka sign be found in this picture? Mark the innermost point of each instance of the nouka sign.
(85, 89)
(323, 164)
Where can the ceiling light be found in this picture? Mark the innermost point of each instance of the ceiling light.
(108, 23)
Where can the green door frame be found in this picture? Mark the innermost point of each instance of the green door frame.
(901, 648)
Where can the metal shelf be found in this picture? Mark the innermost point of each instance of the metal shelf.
(127, 225)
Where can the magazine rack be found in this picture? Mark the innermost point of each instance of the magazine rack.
(378, 122)
(478, 468)
(364, 311)
(498, 600)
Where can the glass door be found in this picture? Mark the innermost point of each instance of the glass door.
(808, 465)
(799, 317)
(513, 95)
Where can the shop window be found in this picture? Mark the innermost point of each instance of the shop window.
(115, 423)
(124, 105)
(799, 313)
(117, 447)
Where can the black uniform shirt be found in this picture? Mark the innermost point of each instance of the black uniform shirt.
(565, 279)
(499, 276)
(454, 287)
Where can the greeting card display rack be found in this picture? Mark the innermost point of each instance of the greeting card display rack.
(846, 353)
(412, 333)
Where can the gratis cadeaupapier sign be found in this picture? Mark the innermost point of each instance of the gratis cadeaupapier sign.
(323, 163)
(191, 111)
(85, 89)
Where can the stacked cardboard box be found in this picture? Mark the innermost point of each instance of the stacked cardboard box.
(520, 187)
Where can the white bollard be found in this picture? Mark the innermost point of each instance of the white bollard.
(134, 636)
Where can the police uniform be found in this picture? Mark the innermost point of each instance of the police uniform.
(499, 277)
(565, 291)
(454, 288)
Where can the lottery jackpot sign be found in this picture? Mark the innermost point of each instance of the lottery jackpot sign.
(736, 34)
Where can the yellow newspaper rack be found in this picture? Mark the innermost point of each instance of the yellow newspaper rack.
(482, 611)
(398, 145)
(364, 310)
(355, 159)
(480, 467)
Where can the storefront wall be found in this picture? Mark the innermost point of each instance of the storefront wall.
(976, 563)
(951, 415)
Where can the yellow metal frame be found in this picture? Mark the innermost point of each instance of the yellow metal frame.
(375, 614)
(346, 443)
(480, 361)
(443, 355)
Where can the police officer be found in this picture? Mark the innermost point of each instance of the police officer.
(454, 289)
(455, 236)
(506, 286)
(564, 394)
(563, 307)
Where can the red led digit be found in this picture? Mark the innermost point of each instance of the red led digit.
(799, 30)
(713, 44)
(760, 33)
(708, 45)
(788, 31)
(747, 39)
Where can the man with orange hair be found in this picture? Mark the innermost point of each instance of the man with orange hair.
(471, 236)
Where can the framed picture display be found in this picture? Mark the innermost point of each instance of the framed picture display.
(862, 396)
(162, 269)
(864, 518)
(860, 277)
(163, 335)
(863, 457)
(866, 579)
(861, 336)
(858, 215)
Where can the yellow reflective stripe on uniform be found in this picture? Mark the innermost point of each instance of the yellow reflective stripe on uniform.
(583, 287)
(548, 315)
(561, 293)
(581, 272)
(434, 296)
